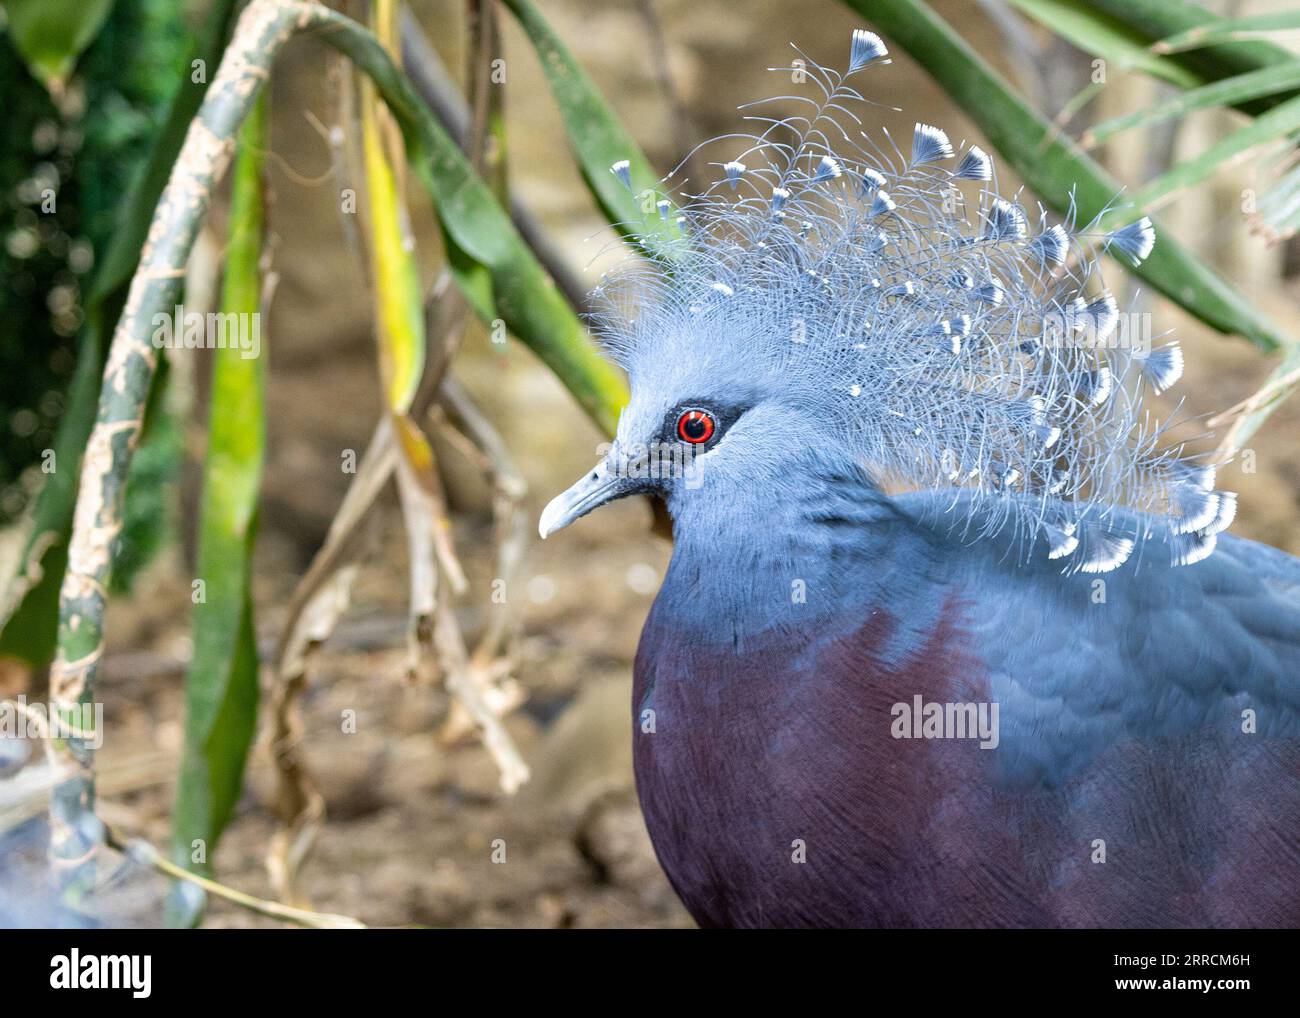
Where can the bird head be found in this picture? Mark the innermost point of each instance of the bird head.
(853, 307)
(705, 420)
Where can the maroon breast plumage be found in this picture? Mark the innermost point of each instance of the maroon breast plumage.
(776, 795)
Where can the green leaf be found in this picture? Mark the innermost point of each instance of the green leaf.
(493, 266)
(399, 325)
(399, 310)
(1279, 210)
(29, 609)
(1054, 166)
(1104, 36)
(599, 140)
(50, 34)
(1269, 127)
(221, 688)
(1229, 92)
(1230, 30)
(394, 271)
(1156, 19)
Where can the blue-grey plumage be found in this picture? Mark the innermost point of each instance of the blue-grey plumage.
(1055, 564)
(1146, 770)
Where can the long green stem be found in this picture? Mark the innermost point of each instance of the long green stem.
(491, 263)
(132, 359)
(1159, 19)
(221, 687)
(29, 606)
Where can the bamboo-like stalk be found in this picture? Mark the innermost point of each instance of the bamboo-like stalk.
(524, 298)
(209, 145)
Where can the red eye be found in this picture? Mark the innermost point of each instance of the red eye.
(695, 426)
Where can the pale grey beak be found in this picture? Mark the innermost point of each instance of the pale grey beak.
(597, 487)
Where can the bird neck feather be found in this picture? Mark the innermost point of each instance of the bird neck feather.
(750, 559)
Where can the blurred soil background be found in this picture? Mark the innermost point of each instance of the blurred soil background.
(411, 823)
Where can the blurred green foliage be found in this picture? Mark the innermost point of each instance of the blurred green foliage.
(64, 168)
(51, 34)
